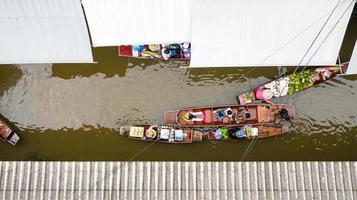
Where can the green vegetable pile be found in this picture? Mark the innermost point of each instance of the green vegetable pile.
(249, 96)
(300, 81)
(224, 132)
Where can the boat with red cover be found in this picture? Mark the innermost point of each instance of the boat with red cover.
(227, 115)
(7, 133)
(292, 84)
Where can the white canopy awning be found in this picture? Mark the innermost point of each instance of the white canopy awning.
(267, 33)
(122, 22)
(43, 31)
(352, 67)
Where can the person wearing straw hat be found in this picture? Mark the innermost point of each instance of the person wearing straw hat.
(264, 94)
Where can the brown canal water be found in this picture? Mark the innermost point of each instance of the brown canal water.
(74, 111)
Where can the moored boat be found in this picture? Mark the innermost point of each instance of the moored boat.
(227, 115)
(162, 133)
(174, 51)
(7, 133)
(186, 135)
(292, 84)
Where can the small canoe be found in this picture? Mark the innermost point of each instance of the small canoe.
(177, 135)
(7, 133)
(175, 51)
(226, 115)
(291, 84)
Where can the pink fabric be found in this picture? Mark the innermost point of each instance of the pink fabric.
(259, 93)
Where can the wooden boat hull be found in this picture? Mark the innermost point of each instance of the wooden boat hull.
(175, 51)
(293, 83)
(163, 134)
(199, 134)
(7, 133)
(258, 114)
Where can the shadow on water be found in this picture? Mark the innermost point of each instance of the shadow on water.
(107, 63)
(9, 76)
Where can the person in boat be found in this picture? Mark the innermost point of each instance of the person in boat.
(220, 114)
(166, 53)
(221, 133)
(236, 133)
(193, 116)
(185, 47)
(242, 115)
(283, 119)
(152, 131)
(264, 94)
(283, 114)
(229, 112)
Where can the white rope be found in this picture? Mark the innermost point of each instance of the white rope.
(317, 36)
(249, 148)
(335, 25)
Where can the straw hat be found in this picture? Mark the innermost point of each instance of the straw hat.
(267, 94)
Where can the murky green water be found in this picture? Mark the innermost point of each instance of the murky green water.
(73, 111)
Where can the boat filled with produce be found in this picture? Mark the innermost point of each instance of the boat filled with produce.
(291, 84)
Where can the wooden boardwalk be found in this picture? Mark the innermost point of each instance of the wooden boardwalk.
(178, 180)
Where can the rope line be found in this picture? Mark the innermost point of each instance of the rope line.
(249, 148)
(317, 36)
(328, 34)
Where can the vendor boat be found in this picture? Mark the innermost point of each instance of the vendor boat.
(245, 132)
(227, 115)
(163, 134)
(7, 133)
(292, 84)
(177, 135)
(175, 51)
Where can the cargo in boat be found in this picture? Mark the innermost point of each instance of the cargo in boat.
(291, 84)
(186, 135)
(7, 133)
(227, 115)
(175, 51)
(162, 133)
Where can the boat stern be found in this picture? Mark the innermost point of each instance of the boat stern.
(344, 68)
(13, 138)
(291, 110)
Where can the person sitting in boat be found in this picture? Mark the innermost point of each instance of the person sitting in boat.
(228, 112)
(166, 53)
(236, 133)
(185, 47)
(242, 115)
(283, 119)
(193, 117)
(220, 114)
(264, 94)
(152, 131)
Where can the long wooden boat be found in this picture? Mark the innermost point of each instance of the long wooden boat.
(220, 115)
(187, 135)
(162, 133)
(291, 84)
(175, 51)
(7, 133)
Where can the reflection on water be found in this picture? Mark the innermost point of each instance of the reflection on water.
(73, 111)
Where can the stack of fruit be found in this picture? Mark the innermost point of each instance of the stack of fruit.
(300, 81)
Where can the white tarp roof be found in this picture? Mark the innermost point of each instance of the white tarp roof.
(352, 67)
(120, 22)
(266, 33)
(43, 31)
